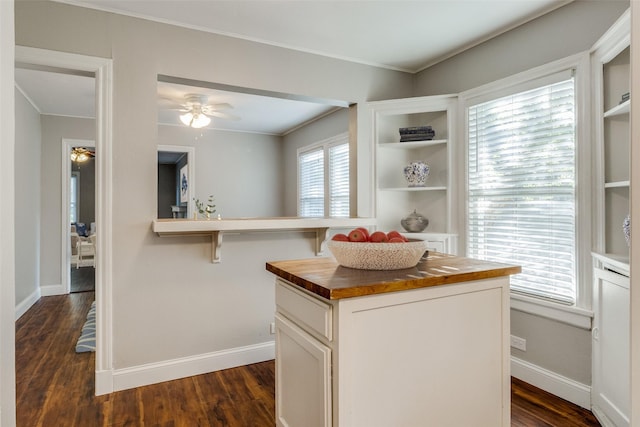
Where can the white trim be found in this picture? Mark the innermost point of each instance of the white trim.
(65, 225)
(152, 373)
(571, 315)
(28, 98)
(554, 383)
(191, 161)
(50, 290)
(27, 303)
(103, 71)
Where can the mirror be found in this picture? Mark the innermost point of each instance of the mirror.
(176, 171)
(247, 146)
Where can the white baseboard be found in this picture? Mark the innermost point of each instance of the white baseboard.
(26, 304)
(104, 382)
(49, 290)
(153, 373)
(549, 381)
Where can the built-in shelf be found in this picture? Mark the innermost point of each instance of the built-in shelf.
(412, 144)
(414, 189)
(616, 184)
(623, 108)
(615, 262)
(215, 227)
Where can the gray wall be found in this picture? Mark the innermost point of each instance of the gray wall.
(198, 307)
(571, 29)
(329, 126)
(27, 199)
(167, 179)
(54, 129)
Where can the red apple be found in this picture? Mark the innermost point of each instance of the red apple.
(364, 231)
(378, 237)
(393, 233)
(357, 236)
(340, 237)
(396, 240)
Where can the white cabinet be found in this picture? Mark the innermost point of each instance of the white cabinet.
(406, 358)
(610, 395)
(394, 198)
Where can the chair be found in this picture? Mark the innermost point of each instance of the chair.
(74, 239)
(87, 248)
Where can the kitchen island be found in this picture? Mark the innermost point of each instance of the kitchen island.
(425, 346)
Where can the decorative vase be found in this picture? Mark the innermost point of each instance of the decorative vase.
(626, 228)
(416, 173)
(414, 222)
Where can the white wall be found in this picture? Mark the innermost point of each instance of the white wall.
(243, 171)
(27, 202)
(551, 345)
(7, 214)
(170, 302)
(54, 129)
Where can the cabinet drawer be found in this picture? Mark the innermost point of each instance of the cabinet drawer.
(312, 314)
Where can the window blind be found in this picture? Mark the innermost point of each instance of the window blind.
(521, 187)
(311, 185)
(339, 180)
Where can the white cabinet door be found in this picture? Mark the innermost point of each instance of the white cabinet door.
(611, 388)
(303, 378)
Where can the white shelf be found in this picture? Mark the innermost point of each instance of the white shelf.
(619, 109)
(412, 144)
(215, 228)
(413, 188)
(616, 184)
(615, 262)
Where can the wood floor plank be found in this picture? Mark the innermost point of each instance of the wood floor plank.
(55, 386)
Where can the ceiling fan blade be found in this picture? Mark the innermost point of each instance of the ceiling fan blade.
(222, 115)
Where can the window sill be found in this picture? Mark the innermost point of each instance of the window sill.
(571, 315)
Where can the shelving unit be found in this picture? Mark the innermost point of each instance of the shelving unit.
(610, 398)
(394, 198)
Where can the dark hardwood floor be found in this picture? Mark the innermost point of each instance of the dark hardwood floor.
(54, 385)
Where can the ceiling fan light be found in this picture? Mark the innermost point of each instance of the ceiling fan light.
(197, 120)
(79, 154)
(200, 121)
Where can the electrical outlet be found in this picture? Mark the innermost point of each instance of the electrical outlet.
(272, 328)
(519, 343)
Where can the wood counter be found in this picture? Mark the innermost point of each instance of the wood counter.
(325, 278)
(424, 346)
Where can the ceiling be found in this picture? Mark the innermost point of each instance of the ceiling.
(344, 29)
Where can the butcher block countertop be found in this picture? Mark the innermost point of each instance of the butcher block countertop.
(325, 278)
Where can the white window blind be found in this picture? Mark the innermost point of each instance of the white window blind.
(323, 174)
(521, 187)
(73, 198)
(311, 183)
(339, 180)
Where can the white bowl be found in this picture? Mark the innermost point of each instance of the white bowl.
(377, 256)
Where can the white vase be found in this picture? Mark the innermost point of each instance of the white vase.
(416, 173)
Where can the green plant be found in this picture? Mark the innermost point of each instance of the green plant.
(205, 210)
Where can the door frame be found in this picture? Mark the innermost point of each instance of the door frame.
(67, 146)
(102, 68)
(191, 171)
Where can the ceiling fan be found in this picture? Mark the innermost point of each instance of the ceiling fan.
(81, 154)
(197, 112)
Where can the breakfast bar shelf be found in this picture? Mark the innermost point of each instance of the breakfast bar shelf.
(216, 227)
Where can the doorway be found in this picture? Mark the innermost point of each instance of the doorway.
(102, 70)
(78, 206)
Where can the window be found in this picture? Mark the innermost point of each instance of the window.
(522, 186)
(74, 197)
(323, 178)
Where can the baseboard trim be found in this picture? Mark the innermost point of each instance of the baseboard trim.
(554, 383)
(50, 290)
(104, 382)
(27, 303)
(137, 376)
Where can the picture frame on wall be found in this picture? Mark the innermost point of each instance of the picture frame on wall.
(184, 184)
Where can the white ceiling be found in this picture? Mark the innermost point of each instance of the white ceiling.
(395, 34)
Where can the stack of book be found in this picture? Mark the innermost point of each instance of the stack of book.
(625, 97)
(417, 133)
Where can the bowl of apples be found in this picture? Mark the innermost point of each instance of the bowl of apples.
(376, 251)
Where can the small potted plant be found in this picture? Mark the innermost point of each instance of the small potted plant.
(205, 209)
